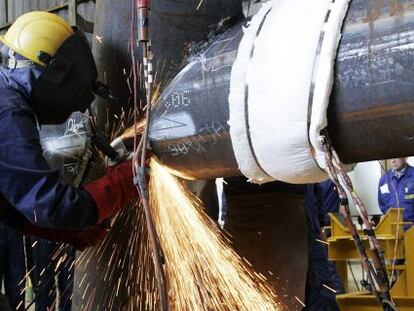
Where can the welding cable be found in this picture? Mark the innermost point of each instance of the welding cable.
(344, 209)
(345, 212)
(140, 159)
(394, 260)
(378, 258)
(376, 272)
(379, 273)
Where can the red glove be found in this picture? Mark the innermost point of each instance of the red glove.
(79, 239)
(90, 237)
(113, 191)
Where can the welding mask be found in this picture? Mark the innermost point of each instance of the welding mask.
(67, 82)
(68, 72)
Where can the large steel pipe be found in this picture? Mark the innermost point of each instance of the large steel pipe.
(189, 130)
(371, 109)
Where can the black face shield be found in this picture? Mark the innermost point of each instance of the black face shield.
(67, 83)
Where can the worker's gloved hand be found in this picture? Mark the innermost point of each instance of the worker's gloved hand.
(123, 153)
(114, 191)
(78, 239)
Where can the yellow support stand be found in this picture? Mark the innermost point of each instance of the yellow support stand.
(395, 243)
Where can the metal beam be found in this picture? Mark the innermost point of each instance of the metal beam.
(72, 12)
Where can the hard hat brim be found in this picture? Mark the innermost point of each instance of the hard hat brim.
(34, 59)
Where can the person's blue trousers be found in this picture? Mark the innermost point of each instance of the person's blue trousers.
(13, 267)
(52, 260)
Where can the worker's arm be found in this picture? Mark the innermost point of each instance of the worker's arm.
(37, 192)
(28, 183)
(383, 193)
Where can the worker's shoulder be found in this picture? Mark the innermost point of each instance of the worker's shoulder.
(384, 177)
(11, 100)
(410, 170)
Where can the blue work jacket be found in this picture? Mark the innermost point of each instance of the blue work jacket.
(28, 187)
(397, 192)
(320, 200)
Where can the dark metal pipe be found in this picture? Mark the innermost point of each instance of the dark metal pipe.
(372, 105)
(173, 26)
(370, 114)
(189, 130)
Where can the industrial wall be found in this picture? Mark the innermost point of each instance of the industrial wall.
(11, 9)
(365, 177)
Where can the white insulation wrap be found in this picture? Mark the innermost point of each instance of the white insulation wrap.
(280, 87)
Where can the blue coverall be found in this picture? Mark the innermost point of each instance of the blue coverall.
(397, 192)
(29, 189)
(320, 199)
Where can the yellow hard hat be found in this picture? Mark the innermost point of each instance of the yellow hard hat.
(37, 32)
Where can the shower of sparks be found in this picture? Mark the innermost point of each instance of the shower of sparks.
(300, 301)
(203, 271)
(199, 4)
(43, 274)
(330, 288)
(118, 275)
(322, 241)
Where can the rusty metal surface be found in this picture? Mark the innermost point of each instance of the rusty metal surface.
(372, 111)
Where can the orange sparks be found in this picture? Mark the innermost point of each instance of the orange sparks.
(203, 271)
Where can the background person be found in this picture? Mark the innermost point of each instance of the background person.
(396, 188)
(322, 280)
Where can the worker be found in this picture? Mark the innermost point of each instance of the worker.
(396, 188)
(48, 72)
(322, 280)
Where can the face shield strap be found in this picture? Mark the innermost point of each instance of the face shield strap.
(11, 62)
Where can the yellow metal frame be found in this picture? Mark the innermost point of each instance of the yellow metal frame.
(391, 228)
